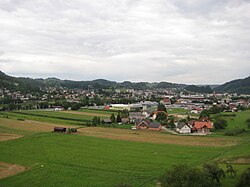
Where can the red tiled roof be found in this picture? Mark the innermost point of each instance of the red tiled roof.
(166, 100)
(201, 124)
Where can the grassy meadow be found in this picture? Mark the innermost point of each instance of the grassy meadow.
(102, 157)
(58, 117)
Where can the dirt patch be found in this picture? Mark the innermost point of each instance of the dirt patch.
(87, 113)
(239, 160)
(7, 169)
(5, 137)
(29, 125)
(155, 137)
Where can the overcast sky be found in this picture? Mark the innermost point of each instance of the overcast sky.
(183, 41)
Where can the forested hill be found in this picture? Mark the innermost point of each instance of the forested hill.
(28, 84)
(32, 85)
(236, 86)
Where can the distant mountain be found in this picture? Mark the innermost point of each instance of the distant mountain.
(240, 86)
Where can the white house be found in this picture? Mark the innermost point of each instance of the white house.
(183, 128)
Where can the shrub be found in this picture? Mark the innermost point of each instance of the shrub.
(184, 176)
(220, 124)
(71, 130)
(234, 132)
(20, 119)
(244, 179)
(213, 171)
(248, 123)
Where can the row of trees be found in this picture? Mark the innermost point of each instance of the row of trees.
(209, 175)
(114, 119)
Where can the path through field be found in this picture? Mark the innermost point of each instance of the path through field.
(5, 137)
(7, 169)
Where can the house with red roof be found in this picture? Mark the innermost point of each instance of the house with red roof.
(202, 127)
(166, 101)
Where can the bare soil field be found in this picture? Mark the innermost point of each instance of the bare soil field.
(87, 113)
(7, 169)
(5, 137)
(28, 125)
(156, 137)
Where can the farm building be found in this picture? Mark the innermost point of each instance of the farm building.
(60, 129)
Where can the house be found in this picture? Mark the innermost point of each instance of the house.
(125, 120)
(196, 110)
(166, 101)
(202, 127)
(106, 121)
(154, 126)
(183, 128)
(142, 123)
(146, 124)
(136, 115)
(60, 129)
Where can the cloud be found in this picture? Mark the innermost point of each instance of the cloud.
(138, 40)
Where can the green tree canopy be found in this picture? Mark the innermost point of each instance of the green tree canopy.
(112, 118)
(213, 171)
(244, 179)
(184, 176)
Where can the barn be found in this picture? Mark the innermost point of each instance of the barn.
(60, 129)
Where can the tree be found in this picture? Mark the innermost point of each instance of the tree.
(184, 176)
(230, 171)
(205, 113)
(216, 110)
(161, 107)
(244, 179)
(161, 116)
(220, 124)
(213, 171)
(112, 118)
(75, 106)
(124, 113)
(95, 121)
(118, 118)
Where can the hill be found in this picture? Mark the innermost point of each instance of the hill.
(35, 85)
(22, 84)
(240, 86)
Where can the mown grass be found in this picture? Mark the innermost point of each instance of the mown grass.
(74, 160)
(52, 118)
(239, 121)
(98, 111)
(58, 117)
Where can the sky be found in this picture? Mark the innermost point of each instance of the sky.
(191, 41)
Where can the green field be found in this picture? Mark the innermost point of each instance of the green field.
(237, 121)
(78, 160)
(57, 117)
